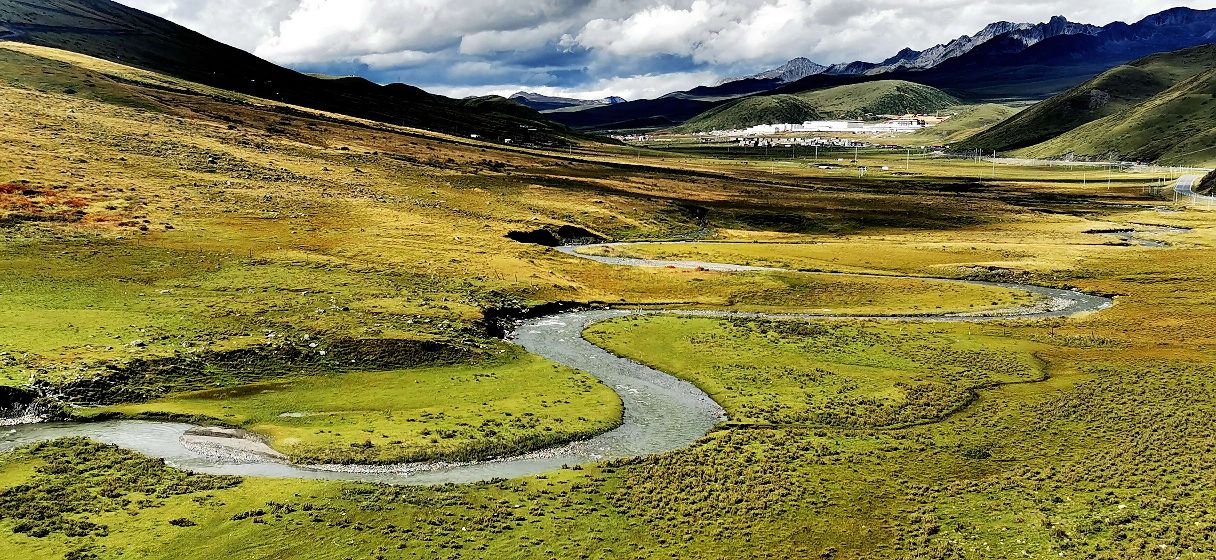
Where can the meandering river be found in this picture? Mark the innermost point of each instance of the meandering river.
(662, 413)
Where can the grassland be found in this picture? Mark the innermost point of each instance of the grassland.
(398, 416)
(1088, 437)
(825, 374)
(174, 246)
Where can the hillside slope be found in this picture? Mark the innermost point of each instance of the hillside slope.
(111, 31)
(1109, 93)
(1177, 126)
(1208, 184)
(964, 122)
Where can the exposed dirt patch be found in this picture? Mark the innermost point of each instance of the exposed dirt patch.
(550, 236)
(144, 380)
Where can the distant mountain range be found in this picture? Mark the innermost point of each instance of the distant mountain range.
(1026, 33)
(1003, 61)
(791, 71)
(909, 59)
(550, 103)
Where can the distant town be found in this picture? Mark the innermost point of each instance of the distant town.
(778, 134)
(900, 124)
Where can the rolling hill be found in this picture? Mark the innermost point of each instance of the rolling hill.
(1177, 126)
(113, 32)
(752, 111)
(1113, 91)
(884, 97)
(848, 101)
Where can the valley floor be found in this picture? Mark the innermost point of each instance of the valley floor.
(331, 284)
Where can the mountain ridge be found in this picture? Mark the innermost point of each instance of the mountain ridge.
(793, 70)
(910, 59)
(542, 102)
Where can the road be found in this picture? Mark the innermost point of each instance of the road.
(1186, 187)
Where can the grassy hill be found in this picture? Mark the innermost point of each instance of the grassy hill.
(1110, 93)
(883, 97)
(1177, 126)
(753, 111)
(114, 32)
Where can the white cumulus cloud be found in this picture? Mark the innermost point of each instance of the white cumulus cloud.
(591, 45)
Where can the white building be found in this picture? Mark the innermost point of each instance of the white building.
(902, 124)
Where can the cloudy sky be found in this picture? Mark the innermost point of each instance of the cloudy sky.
(594, 48)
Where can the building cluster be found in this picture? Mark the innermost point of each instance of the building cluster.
(760, 142)
(906, 123)
(631, 137)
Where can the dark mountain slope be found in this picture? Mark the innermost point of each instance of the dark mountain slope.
(676, 108)
(114, 32)
(1005, 67)
(1023, 34)
(1171, 30)
(1208, 184)
(665, 111)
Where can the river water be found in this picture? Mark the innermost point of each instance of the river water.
(661, 413)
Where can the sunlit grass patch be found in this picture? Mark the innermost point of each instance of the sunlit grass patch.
(513, 404)
(825, 373)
